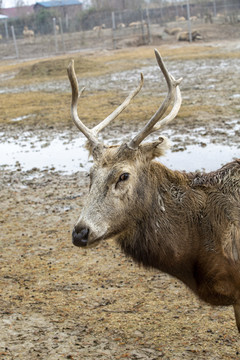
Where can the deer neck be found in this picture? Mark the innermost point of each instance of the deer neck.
(154, 240)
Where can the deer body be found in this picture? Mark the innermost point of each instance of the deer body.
(185, 224)
(28, 33)
(185, 235)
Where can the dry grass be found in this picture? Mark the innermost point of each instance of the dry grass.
(48, 108)
(42, 108)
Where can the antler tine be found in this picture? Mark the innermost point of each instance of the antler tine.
(75, 95)
(173, 113)
(91, 134)
(119, 109)
(173, 91)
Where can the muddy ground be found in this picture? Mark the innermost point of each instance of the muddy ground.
(61, 302)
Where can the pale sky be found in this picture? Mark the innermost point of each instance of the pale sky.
(12, 3)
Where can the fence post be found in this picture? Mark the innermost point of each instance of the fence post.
(148, 27)
(67, 21)
(225, 7)
(176, 7)
(6, 29)
(61, 29)
(55, 35)
(214, 8)
(142, 26)
(113, 30)
(15, 42)
(161, 13)
(189, 22)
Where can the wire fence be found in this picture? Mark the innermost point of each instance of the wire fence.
(106, 30)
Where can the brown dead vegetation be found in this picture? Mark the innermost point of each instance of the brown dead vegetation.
(49, 107)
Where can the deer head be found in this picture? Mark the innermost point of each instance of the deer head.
(121, 178)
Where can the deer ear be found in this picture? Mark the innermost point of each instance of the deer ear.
(96, 151)
(155, 149)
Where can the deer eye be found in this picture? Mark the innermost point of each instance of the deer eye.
(123, 177)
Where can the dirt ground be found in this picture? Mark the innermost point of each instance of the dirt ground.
(61, 302)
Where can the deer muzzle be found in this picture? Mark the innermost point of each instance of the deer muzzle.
(80, 236)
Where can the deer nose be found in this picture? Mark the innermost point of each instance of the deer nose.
(80, 236)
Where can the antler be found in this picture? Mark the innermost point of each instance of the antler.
(75, 95)
(91, 134)
(173, 91)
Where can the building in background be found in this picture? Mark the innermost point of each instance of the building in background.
(19, 11)
(61, 8)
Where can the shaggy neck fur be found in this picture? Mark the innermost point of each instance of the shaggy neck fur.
(166, 236)
(151, 239)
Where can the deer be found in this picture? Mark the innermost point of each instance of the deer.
(184, 224)
(98, 29)
(173, 31)
(184, 36)
(27, 32)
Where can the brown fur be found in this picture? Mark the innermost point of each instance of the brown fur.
(28, 33)
(185, 224)
(184, 36)
(172, 31)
